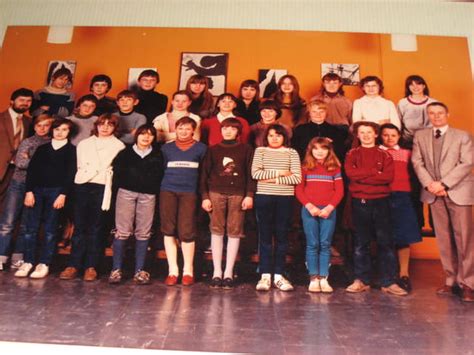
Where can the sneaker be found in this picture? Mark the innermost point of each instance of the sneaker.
(394, 289)
(41, 271)
(325, 286)
(264, 284)
(283, 284)
(357, 287)
(115, 277)
(68, 273)
(90, 274)
(142, 278)
(314, 285)
(24, 270)
(16, 264)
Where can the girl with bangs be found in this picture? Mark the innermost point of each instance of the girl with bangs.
(288, 97)
(202, 100)
(320, 191)
(248, 101)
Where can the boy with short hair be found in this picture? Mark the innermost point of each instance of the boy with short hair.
(84, 118)
(151, 103)
(129, 119)
(227, 190)
(99, 87)
(370, 171)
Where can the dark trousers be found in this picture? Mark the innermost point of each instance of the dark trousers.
(371, 219)
(88, 238)
(273, 218)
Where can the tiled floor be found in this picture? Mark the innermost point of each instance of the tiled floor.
(243, 320)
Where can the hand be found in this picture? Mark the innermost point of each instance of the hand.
(326, 212)
(29, 199)
(435, 187)
(44, 108)
(312, 209)
(206, 205)
(59, 202)
(284, 173)
(247, 203)
(443, 193)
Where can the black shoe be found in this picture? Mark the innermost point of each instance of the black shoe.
(405, 283)
(216, 282)
(228, 283)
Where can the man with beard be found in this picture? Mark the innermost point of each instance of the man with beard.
(14, 125)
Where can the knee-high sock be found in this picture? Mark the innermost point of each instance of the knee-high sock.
(141, 247)
(171, 249)
(404, 260)
(188, 256)
(232, 251)
(118, 248)
(217, 246)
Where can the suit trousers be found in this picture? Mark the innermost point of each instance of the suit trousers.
(454, 234)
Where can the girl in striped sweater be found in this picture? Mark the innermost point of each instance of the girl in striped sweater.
(320, 191)
(277, 170)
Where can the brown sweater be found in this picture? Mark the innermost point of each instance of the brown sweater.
(227, 169)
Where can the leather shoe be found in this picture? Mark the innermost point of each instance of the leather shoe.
(467, 294)
(171, 280)
(90, 274)
(187, 280)
(446, 290)
(68, 273)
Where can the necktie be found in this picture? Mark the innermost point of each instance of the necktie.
(437, 133)
(18, 132)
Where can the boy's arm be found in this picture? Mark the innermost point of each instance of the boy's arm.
(206, 166)
(385, 172)
(355, 172)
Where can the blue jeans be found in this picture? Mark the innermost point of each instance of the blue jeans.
(273, 219)
(319, 232)
(372, 221)
(13, 205)
(42, 210)
(88, 239)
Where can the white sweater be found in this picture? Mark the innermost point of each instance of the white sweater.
(375, 109)
(94, 156)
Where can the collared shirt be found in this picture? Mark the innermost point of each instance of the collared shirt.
(142, 153)
(395, 147)
(442, 130)
(221, 117)
(14, 115)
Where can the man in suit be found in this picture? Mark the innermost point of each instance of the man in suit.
(443, 161)
(14, 126)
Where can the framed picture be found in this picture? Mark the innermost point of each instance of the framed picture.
(211, 65)
(133, 74)
(55, 65)
(268, 79)
(349, 73)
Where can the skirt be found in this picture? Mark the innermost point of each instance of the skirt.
(406, 228)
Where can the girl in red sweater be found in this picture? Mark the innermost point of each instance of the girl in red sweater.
(320, 191)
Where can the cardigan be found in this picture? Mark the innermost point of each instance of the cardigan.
(402, 162)
(52, 168)
(94, 157)
(134, 173)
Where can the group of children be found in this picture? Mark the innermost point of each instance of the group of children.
(244, 154)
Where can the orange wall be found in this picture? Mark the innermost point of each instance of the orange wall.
(443, 61)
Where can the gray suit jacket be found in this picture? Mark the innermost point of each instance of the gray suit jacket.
(456, 164)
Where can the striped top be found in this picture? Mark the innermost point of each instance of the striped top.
(268, 163)
(320, 187)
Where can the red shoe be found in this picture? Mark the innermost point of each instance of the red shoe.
(187, 280)
(171, 280)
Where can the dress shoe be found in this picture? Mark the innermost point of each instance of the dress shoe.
(404, 282)
(187, 280)
(467, 294)
(171, 280)
(68, 273)
(90, 274)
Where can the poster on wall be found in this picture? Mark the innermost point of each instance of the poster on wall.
(268, 79)
(133, 74)
(55, 65)
(211, 65)
(350, 73)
